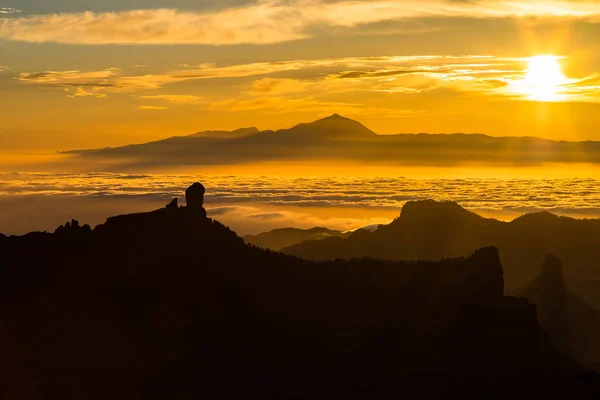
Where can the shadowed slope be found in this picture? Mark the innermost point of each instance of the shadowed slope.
(432, 230)
(573, 325)
(280, 238)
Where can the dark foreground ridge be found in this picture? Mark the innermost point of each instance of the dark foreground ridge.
(173, 305)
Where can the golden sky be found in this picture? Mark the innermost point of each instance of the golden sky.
(76, 74)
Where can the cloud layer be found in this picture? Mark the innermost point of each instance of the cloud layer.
(393, 74)
(267, 21)
(565, 195)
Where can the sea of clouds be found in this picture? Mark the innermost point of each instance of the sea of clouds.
(250, 204)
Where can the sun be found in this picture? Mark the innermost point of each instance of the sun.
(544, 79)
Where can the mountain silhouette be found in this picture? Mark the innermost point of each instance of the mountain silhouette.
(573, 325)
(278, 239)
(238, 133)
(430, 230)
(333, 127)
(172, 304)
(339, 138)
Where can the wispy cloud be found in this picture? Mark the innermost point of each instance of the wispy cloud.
(174, 98)
(283, 105)
(276, 86)
(306, 79)
(81, 92)
(151, 108)
(116, 79)
(9, 10)
(97, 79)
(266, 21)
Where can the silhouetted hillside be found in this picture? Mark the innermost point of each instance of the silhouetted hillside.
(171, 304)
(432, 230)
(573, 325)
(339, 138)
(279, 238)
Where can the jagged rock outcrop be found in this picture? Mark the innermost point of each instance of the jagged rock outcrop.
(194, 196)
(164, 218)
(173, 205)
(549, 292)
(72, 227)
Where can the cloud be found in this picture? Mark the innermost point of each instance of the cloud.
(266, 21)
(95, 79)
(151, 108)
(9, 10)
(384, 73)
(116, 80)
(586, 89)
(81, 92)
(478, 74)
(274, 86)
(111, 80)
(283, 105)
(174, 98)
(4, 68)
(256, 219)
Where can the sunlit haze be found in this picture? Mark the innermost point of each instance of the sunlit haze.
(92, 75)
(544, 79)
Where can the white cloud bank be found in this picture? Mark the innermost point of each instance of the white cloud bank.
(268, 21)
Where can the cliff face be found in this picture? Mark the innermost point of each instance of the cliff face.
(170, 304)
(549, 292)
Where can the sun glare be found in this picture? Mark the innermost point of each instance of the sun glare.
(544, 79)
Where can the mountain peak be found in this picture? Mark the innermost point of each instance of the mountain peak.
(537, 217)
(336, 116)
(333, 126)
(431, 210)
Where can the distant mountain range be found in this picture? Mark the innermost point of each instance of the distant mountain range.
(339, 138)
(430, 230)
(280, 238)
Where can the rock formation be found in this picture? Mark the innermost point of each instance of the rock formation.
(194, 196)
(573, 325)
(72, 227)
(549, 292)
(173, 205)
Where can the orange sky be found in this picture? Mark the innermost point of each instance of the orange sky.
(81, 74)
